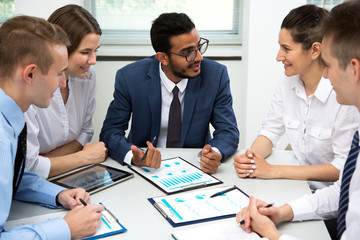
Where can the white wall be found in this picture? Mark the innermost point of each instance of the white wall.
(252, 79)
(260, 50)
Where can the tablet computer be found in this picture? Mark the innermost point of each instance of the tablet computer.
(93, 178)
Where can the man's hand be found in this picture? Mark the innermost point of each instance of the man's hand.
(210, 160)
(257, 222)
(83, 221)
(70, 198)
(152, 159)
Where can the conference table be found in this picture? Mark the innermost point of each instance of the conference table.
(128, 200)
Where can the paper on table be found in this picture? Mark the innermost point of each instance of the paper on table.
(106, 227)
(224, 229)
(176, 175)
(198, 206)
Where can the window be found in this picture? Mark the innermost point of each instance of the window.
(129, 21)
(328, 4)
(7, 10)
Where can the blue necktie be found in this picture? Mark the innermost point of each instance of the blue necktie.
(348, 171)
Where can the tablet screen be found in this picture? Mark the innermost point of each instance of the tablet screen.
(93, 178)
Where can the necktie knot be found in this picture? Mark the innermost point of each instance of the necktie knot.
(175, 91)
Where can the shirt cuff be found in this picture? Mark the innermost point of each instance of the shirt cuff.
(338, 163)
(287, 237)
(56, 228)
(84, 138)
(272, 137)
(302, 209)
(128, 157)
(43, 167)
(213, 148)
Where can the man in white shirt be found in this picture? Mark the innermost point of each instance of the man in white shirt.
(341, 54)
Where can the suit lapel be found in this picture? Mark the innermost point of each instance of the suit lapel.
(192, 92)
(154, 97)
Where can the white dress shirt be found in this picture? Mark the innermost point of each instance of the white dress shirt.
(60, 124)
(319, 129)
(324, 203)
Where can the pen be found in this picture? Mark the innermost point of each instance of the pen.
(222, 192)
(83, 202)
(143, 157)
(267, 206)
(107, 220)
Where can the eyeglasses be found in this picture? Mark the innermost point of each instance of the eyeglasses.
(191, 55)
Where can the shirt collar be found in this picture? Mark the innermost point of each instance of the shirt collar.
(169, 85)
(322, 92)
(11, 112)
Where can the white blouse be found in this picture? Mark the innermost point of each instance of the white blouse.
(59, 124)
(319, 129)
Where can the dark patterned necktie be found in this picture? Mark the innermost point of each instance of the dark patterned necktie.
(174, 125)
(348, 171)
(19, 160)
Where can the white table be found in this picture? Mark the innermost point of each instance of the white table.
(128, 200)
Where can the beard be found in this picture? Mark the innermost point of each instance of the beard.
(181, 72)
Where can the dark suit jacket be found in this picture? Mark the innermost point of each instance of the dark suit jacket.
(138, 95)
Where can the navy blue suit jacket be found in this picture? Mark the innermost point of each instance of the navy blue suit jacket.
(138, 95)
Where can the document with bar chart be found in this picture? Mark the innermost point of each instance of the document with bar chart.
(176, 175)
(200, 206)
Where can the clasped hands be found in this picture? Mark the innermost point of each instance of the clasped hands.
(258, 218)
(251, 164)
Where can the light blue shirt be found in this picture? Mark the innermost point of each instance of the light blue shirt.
(32, 187)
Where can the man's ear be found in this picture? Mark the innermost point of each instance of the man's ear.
(162, 57)
(316, 48)
(355, 69)
(29, 72)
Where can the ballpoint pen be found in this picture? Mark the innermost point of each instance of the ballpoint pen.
(145, 153)
(83, 202)
(267, 206)
(105, 214)
(222, 192)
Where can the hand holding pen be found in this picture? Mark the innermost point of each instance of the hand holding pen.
(146, 151)
(150, 158)
(259, 217)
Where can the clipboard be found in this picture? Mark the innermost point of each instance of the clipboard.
(197, 206)
(109, 224)
(176, 175)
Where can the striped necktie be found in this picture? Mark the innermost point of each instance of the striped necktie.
(19, 160)
(348, 171)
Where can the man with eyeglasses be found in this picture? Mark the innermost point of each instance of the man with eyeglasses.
(171, 98)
